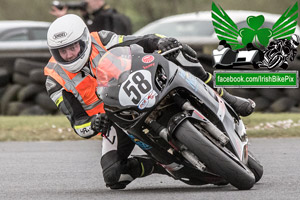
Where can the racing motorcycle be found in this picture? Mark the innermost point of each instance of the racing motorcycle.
(175, 118)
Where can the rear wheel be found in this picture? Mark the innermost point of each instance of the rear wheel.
(214, 158)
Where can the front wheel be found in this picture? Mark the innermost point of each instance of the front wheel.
(214, 158)
(275, 61)
(255, 166)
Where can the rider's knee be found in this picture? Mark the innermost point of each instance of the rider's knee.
(115, 178)
(116, 172)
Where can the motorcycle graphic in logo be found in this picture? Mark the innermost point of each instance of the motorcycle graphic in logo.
(261, 47)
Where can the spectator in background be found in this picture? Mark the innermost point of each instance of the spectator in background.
(98, 15)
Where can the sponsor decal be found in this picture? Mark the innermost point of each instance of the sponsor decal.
(150, 65)
(59, 35)
(144, 103)
(141, 144)
(148, 59)
(84, 130)
(190, 79)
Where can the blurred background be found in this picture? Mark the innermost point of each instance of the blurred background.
(22, 90)
(141, 12)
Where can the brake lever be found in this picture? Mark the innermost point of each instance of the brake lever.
(170, 51)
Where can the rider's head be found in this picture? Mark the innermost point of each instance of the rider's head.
(69, 42)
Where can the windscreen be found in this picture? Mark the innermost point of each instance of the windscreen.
(113, 66)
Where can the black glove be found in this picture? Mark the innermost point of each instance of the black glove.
(101, 123)
(189, 53)
(165, 44)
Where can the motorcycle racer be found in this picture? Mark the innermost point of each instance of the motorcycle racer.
(283, 50)
(71, 84)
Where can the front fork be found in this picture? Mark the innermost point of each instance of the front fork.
(165, 132)
(221, 139)
(191, 112)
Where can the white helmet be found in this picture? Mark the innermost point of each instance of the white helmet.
(65, 31)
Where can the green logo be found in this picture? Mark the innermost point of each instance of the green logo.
(227, 30)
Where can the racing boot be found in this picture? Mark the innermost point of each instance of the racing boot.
(132, 168)
(243, 107)
(147, 166)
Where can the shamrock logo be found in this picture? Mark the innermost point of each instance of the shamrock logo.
(255, 33)
(226, 29)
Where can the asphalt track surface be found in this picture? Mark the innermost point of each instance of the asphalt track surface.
(71, 170)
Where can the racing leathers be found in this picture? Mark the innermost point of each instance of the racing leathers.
(75, 96)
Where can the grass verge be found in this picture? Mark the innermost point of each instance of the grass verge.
(36, 128)
(55, 128)
(273, 125)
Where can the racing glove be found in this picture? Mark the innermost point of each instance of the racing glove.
(101, 124)
(189, 53)
(165, 44)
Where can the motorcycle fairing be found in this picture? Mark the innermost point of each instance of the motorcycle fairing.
(154, 88)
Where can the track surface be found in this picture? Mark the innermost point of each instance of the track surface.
(71, 170)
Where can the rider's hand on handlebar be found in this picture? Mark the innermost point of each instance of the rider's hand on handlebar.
(101, 123)
(165, 44)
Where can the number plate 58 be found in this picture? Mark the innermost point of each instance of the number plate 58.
(137, 90)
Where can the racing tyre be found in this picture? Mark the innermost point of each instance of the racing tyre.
(16, 107)
(293, 93)
(30, 91)
(262, 103)
(271, 93)
(20, 79)
(4, 77)
(9, 95)
(24, 66)
(255, 166)
(214, 158)
(282, 104)
(275, 62)
(43, 100)
(37, 76)
(34, 110)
